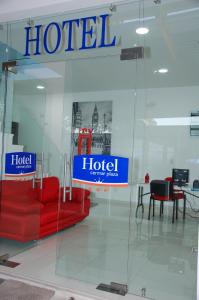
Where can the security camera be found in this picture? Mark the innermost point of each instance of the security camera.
(30, 22)
(112, 7)
(157, 1)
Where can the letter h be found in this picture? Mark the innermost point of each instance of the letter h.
(90, 163)
(29, 40)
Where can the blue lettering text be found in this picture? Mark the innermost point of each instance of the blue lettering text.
(91, 36)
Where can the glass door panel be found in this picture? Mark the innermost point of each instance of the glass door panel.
(162, 259)
(98, 120)
(22, 128)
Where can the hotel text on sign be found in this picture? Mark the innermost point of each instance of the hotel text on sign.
(20, 163)
(93, 32)
(101, 170)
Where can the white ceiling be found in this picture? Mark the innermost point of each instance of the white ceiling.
(11, 10)
(173, 42)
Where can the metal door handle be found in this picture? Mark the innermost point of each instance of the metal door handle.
(65, 175)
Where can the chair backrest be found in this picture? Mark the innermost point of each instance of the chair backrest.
(170, 179)
(161, 188)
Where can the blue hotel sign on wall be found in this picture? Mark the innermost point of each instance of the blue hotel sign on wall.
(99, 170)
(92, 32)
(20, 164)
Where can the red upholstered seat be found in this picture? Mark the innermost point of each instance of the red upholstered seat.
(49, 213)
(160, 198)
(177, 194)
(27, 214)
(49, 191)
(15, 206)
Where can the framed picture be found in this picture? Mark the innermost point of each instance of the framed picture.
(194, 127)
(95, 116)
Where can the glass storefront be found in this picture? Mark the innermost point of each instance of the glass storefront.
(136, 100)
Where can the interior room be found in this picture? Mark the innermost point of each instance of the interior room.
(143, 109)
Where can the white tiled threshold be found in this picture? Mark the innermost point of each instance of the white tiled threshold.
(154, 255)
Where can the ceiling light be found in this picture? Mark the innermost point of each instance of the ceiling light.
(179, 121)
(40, 87)
(142, 30)
(180, 12)
(163, 71)
(139, 19)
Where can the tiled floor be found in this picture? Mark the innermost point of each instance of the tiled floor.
(13, 248)
(153, 255)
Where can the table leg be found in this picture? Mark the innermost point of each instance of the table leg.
(140, 200)
(176, 209)
(184, 208)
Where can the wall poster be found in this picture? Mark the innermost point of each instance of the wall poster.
(96, 117)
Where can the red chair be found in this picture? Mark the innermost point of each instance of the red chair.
(178, 195)
(162, 191)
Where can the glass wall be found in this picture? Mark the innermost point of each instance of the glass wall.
(142, 106)
(162, 258)
(22, 129)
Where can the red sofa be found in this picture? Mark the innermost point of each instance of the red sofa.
(28, 214)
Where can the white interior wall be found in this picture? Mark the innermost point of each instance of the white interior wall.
(9, 103)
(168, 147)
(40, 124)
(53, 139)
(29, 112)
(155, 146)
(157, 149)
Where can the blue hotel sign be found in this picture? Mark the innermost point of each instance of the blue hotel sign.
(102, 170)
(20, 164)
(53, 37)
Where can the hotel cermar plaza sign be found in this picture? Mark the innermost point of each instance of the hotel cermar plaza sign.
(77, 34)
(100, 170)
(20, 164)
